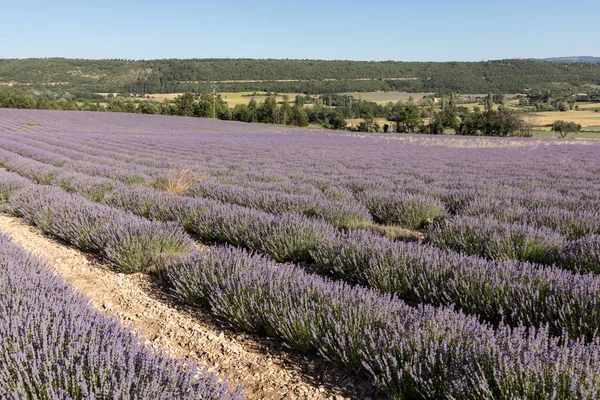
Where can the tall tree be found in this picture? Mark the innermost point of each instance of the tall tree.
(489, 102)
(267, 110)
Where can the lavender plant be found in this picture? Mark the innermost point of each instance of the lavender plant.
(130, 242)
(508, 292)
(409, 211)
(54, 345)
(583, 254)
(409, 352)
(498, 241)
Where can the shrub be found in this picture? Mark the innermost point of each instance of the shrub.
(54, 345)
(497, 240)
(407, 210)
(130, 242)
(583, 255)
(408, 352)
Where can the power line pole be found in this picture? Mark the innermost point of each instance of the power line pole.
(214, 88)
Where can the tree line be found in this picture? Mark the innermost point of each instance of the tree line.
(328, 111)
(299, 76)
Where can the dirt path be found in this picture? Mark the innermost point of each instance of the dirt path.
(262, 365)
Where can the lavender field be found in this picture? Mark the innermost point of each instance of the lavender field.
(437, 267)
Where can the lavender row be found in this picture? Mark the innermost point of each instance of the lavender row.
(342, 214)
(498, 240)
(573, 222)
(507, 292)
(129, 242)
(408, 352)
(568, 302)
(494, 290)
(388, 184)
(406, 210)
(53, 345)
(129, 175)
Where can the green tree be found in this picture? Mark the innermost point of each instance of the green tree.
(283, 113)
(452, 102)
(267, 111)
(166, 108)
(203, 108)
(447, 119)
(563, 128)
(489, 102)
(184, 104)
(299, 101)
(336, 120)
(407, 118)
(253, 110)
(241, 112)
(502, 122)
(149, 107)
(298, 116)
(368, 125)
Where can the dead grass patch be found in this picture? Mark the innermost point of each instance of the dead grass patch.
(179, 180)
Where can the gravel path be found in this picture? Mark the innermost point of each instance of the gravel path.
(264, 366)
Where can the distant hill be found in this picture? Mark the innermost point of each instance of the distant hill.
(85, 77)
(575, 59)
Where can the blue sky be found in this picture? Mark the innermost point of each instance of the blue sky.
(357, 30)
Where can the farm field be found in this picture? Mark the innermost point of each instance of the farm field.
(589, 133)
(589, 105)
(235, 98)
(584, 118)
(352, 122)
(232, 98)
(386, 97)
(395, 266)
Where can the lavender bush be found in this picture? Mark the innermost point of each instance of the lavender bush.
(497, 240)
(131, 243)
(341, 213)
(507, 292)
(409, 211)
(10, 183)
(54, 345)
(409, 352)
(583, 254)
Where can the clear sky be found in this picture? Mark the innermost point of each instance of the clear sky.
(433, 30)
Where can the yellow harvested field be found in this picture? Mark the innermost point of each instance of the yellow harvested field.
(585, 106)
(471, 106)
(235, 98)
(162, 96)
(351, 122)
(386, 97)
(584, 118)
(232, 98)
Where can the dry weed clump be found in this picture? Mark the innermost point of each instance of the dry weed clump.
(178, 180)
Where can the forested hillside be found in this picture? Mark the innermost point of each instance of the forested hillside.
(308, 76)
